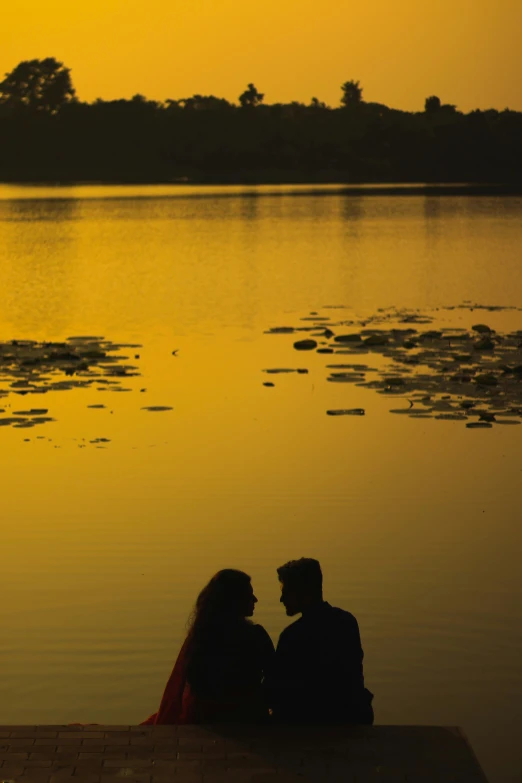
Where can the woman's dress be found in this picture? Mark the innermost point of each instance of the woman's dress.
(218, 678)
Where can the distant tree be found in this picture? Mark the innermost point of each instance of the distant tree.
(41, 85)
(251, 97)
(46, 134)
(205, 103)
(172, 105)
(432, 104)
(142, 102)
(351, 93)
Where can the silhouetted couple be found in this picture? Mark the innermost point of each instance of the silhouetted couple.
(228, 671)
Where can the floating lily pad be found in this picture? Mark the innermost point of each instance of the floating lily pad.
(348, 338)
(157, 408)
(277, 370)
(375, 340)
(32, 412)
(479, 425)
(346, 412)
(305, 345)
(84, 339)
(353, 352)
(451, 416)
(359, 367)
(345, 377)
(268, 383)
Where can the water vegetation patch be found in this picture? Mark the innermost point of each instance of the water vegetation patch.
(31, 367)
(448, 373)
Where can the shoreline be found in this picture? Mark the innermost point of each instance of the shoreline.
(302, 187)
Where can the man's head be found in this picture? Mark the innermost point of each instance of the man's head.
(301, 584)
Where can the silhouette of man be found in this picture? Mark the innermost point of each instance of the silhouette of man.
(317, 675)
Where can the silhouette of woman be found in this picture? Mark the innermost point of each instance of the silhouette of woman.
(218, 674)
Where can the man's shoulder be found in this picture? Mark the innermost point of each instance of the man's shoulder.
(341, 615)
(332, 615)
(340, 620)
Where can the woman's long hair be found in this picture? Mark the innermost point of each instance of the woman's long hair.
(220, 604)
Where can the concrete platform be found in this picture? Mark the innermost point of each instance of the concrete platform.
(236, 754)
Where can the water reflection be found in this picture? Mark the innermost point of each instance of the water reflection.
(352, 210)
(104, 547)
(38, 270)
(56, 210)
(433, 211)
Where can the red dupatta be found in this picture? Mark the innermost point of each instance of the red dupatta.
(171, 709)
(179, 705)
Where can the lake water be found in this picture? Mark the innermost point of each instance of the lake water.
(417, 523)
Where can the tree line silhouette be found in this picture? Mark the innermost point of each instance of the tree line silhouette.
(47, 134)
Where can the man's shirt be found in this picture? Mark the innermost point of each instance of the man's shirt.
(318, 672)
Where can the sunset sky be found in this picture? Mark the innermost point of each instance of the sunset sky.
(466, 51)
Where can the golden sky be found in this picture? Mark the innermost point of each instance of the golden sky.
(466, 51)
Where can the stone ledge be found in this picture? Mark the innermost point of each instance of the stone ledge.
(236, 754)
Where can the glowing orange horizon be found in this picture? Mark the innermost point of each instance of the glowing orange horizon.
(467, 53)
